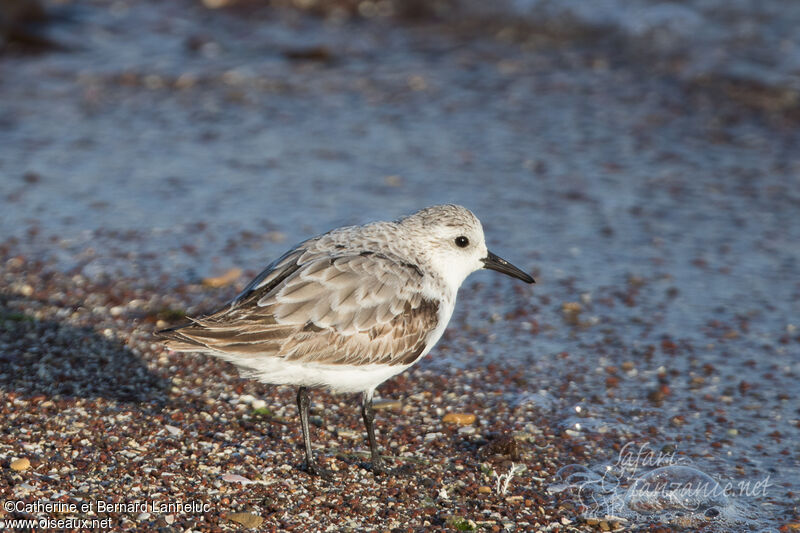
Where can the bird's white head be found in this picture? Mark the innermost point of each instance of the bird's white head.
(455, 245)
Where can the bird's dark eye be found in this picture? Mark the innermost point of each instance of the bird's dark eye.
(462, 242)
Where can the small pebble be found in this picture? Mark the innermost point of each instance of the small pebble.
(386, 404)
(248, 520)
(258, 404)
(224, 280)
(19, 465)
(22, 489)
(348, 434)
(462, 419)
(246, 398)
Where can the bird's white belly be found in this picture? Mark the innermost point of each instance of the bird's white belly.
(340, 378)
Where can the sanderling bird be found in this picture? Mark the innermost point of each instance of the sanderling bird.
(348, 309)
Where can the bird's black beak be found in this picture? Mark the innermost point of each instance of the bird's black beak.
(494, 262)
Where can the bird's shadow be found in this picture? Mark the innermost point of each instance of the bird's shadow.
(53, 359)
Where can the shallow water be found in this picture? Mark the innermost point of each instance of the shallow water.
(173, 139)
(737, 39)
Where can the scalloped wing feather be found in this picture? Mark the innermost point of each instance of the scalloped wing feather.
(311, 307)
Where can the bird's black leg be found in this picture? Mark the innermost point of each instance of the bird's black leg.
(311, 467)
(368, 413)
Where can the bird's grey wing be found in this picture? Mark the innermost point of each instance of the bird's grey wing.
(274, 273)
(364, 309)
(354, 309)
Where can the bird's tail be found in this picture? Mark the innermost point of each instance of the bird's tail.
(174, 339)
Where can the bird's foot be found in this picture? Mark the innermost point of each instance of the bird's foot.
(380, 468)
(377, 467)
(315, 470)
